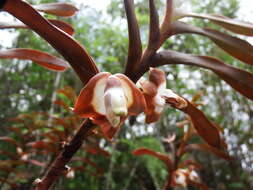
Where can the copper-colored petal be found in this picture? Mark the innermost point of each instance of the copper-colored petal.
(90, 100)
(148, 88)
(135, 99)
(107, 129)
(152, 117)
(157, 76)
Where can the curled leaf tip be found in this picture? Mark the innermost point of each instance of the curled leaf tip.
(173, 99)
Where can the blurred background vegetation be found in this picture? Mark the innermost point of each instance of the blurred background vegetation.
(27, 88)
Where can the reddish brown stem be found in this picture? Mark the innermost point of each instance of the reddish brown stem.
(167, 185)
(59, 164)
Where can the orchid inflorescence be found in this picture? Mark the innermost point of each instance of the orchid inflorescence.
(108, 99)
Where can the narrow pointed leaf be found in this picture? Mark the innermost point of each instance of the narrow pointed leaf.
(238, 79)
(58, 9)
(210, 149)
(236, 26)
(165, 26)
(234, 46)
(71, 50)
(10, 140)
(68, 92)
(163, 157)
(58, 23)
(203, 126)
(135, 46)
(62, 104)
(154, 31)
(63, 26)
(10, 183)
(44, 59)
(36, 163)
(201, 186)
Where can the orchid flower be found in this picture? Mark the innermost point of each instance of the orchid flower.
(108, 99)
(180, 177)
(156, 95)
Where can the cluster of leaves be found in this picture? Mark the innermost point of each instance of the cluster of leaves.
(180, 164)
(38, 137)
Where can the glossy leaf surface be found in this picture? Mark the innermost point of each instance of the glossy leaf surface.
(163, 157)
(58, 23)
(43, 59)
(234, 46)
(207, 148)
(238, 79)
(71, 50)
(58, 9)
(236, 26)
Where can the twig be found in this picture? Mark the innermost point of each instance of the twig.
(59, 165)
(112, 162)
(131, 176)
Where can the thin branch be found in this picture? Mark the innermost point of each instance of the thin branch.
(111, 164)
(59, 164)
(70, 49)
(132, 172)
(135, 47)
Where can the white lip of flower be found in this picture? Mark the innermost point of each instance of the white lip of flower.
(19, 150)
(138, 84)
(180, 177)
(193, 176)
(177, 100)
(159, 101)
(24, 157)
(70, 174)
(115, 105)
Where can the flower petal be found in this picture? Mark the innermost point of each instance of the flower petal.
(115, 100)
(157, 76)
(173, 99)
(90, 102)
(135, 99)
